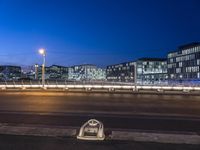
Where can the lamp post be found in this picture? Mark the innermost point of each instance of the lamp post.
(43, 53)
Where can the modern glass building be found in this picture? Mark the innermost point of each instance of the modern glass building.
(149, 71)
(184, 64)
(57, 72)
(152, 71)
(123, 72)
(86, 72)
(54, 72)
(10, 72)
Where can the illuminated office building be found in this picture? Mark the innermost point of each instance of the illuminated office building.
(152, 71)
(123, 72)
(10, 72)
(184, 63)
(54, 72)
(149, 71)
(86, 72)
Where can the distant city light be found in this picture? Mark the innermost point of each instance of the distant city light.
(36, 65)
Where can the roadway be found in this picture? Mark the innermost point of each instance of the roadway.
(174, 113)
(11, 142)
(120, 122)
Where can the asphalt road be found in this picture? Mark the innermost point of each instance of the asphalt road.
(62, 102)
(114, 110)
(10, 142)
(133, 122)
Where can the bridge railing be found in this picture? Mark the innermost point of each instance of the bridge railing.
(62, 82)
(89, 85)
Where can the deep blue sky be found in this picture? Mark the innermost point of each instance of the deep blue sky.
(94, 31)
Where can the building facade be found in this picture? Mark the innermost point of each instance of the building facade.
(54, 72)
(28, 72)
(152, 71)
(10, 72)
(74, 73)
(123, 72)
(184, 64)
(86, 72)
(148, 71)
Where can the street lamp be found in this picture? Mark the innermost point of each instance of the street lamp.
(43, 53)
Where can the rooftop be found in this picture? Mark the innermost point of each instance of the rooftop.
(152, 59)
(189, 45)
(123, 63)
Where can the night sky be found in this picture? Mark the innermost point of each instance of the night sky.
(98, 32)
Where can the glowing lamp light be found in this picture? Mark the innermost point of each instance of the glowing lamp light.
(42, 51)
(36, 65)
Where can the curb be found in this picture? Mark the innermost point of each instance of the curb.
(61, 92)
(59, 131)
(37, 131)
(156, 137)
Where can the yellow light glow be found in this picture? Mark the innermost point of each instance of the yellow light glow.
(42, 51)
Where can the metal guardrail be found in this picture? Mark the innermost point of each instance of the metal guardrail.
(62, 82)
(95, 85)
